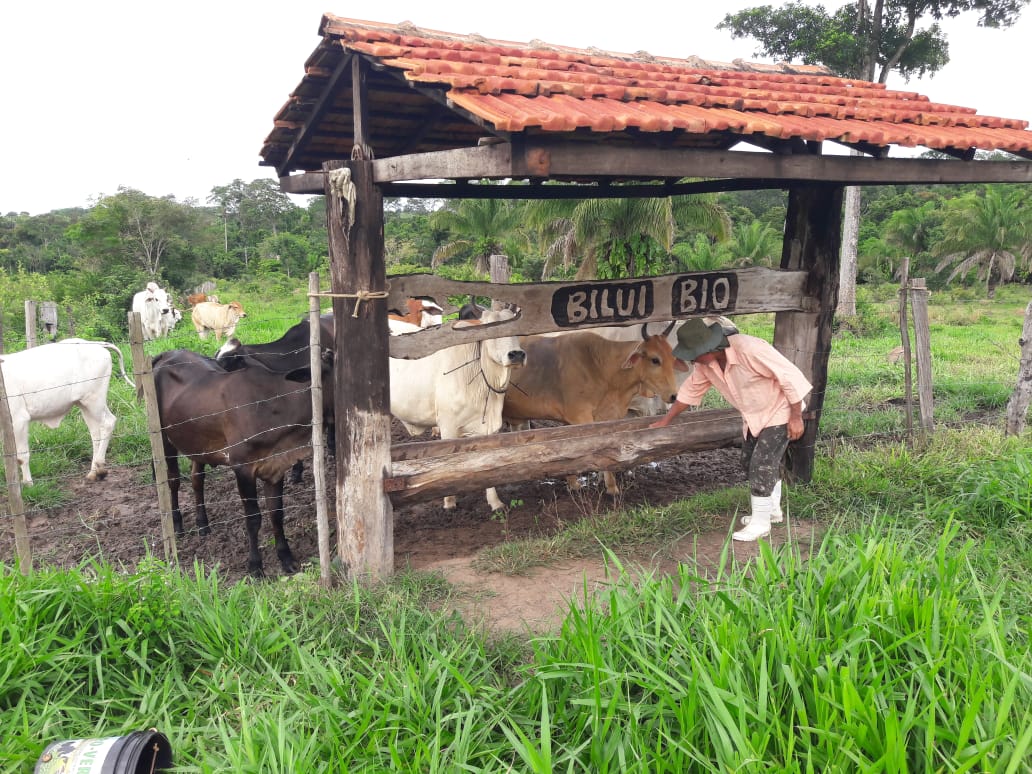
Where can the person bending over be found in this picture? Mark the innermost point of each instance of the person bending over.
(769, 391)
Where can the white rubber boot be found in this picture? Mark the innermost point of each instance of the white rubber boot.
(776, 514)
(759, 521)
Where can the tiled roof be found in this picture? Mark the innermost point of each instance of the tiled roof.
(433, 90)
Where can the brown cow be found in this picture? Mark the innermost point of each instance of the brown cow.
(218, 318)
(581, 378)
(256, 421)
(197, 298)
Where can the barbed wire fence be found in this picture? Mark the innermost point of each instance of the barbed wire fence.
(58, 528)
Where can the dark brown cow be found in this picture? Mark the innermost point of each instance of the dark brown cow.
(256, 421)
(581, 378)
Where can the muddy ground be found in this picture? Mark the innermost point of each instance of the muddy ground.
(116, 520)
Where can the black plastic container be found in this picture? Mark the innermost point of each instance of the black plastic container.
(141, 752)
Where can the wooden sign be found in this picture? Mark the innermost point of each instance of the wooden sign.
(551, 306)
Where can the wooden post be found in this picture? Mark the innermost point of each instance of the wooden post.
(48, 314)
(318, 452)
(16, 505)
(145, 381)
(30, 324)
(500, 275)
(923, 343)
(365, 523)
(904, 333)
(813, 228)
(1017, 406)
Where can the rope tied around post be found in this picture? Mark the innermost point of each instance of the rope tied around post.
(361, 295)
(343, 188)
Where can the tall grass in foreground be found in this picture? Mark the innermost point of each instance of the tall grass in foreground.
(900, 644)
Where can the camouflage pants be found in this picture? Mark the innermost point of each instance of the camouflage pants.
(761, 458)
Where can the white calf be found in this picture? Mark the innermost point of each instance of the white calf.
(43, 383)
(459, 389)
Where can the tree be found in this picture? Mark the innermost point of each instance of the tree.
(854, 42)
(138, 231)
(610, 238)
(755, 244)
(987, 234)
(478, 229)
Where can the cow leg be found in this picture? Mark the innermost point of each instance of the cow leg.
(172, 474)
(611, 487)
(492, 499)
(297, 471)
(21, 444)
(101, 424)
(197, 482)
(274, 501)
(247, 486)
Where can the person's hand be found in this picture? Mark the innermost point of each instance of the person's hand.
(662, 422)
(795, 428)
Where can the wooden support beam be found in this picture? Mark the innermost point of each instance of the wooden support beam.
(432, 469)
(813, 229)
(365, 523)
(573, 161)
(326, 98)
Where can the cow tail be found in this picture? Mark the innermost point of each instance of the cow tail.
(121, 365)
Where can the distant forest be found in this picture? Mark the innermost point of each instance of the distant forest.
(93, 259)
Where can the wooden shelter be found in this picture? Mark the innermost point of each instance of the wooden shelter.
(396, 110)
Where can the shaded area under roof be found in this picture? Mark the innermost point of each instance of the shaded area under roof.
(433, 91)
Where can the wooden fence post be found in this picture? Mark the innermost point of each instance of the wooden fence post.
(30, 324)
(500, 275)
(145, 380)
(14, 493)
(1017, 406)
(318, 453)
(904, 334)
(923, 343)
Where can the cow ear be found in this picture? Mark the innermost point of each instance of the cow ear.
(631, 360)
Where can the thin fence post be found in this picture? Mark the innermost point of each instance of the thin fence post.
(30, 324)
(14, 493)
(1017, 406)
(923, 343)
(145, 381)
(904, 332)
(322, 519)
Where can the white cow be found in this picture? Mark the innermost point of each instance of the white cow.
(155, 311)
(459, 389)
(43, 383)
(220, 318)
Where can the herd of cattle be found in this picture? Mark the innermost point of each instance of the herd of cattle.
(249, 407)
(158, 315)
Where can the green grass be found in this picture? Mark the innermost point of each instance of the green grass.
(900, 643)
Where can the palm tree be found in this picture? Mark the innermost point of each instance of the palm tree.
(755, 244)
(913, 230)
(621, 237)
(986, 234)
(479, 228)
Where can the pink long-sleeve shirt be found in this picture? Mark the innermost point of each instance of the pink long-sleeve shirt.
(758, 381)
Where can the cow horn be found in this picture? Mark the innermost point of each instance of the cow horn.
(645, 331)
(670, 327)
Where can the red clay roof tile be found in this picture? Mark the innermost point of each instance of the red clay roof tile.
(513, 87)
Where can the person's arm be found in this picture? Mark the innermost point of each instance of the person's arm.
(795, 421)
(675, 408)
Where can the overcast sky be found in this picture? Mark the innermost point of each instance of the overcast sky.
(176, 98)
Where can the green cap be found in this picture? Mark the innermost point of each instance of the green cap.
(695, 338)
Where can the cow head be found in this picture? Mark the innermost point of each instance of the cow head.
(654, 363)
(504, 351)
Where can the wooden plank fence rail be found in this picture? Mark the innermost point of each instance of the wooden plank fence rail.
(427, 470)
